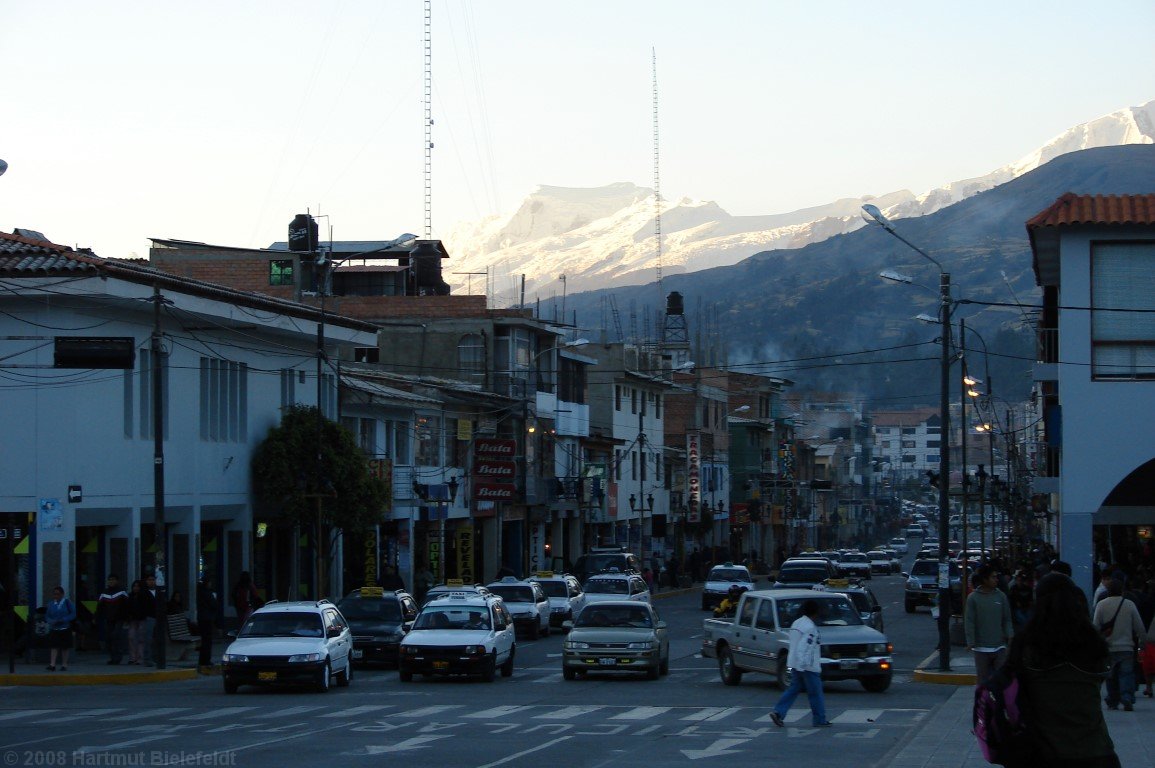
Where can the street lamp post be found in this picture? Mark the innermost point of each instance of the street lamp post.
(944, 311)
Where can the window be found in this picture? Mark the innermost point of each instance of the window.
(908, 430)
(933, 430)
(633, 465)
(143, 383)
(281, 272)
(617, 465)
(364, 430)
(932, 458)
(471, 358)
(908, 444)
(617, 397)
(885, 444)
(933, 443)
(657, 406)
(224, 393)
(908, 458)
(1123, 310)
(633, 401)
(399, 438)
(428, 441)
(288, 387)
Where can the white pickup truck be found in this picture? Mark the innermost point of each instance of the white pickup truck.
(757, 639)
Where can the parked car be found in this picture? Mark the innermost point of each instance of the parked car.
(616, 636)
(290, 643)
(757, 639)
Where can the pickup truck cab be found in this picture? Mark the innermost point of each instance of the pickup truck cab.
(757, 639)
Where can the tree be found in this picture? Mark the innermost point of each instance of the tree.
(289, 480)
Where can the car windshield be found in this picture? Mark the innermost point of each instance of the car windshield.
(728, 574)
(808, 575)
(930, 568)
(607, 587)
(361, 609)
(554, 588)
(283, 625)
(856, 558)
(878, 555)
(614, 616)
(832, 612)
(514, 593)
(453, 617)
(860, 600)
(605, 562)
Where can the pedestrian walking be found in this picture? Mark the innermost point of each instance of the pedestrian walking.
(804, 659)
(60, 615)
(1060, 660)
(1022, 594)
(245, 597)
(1118, 621)
(208, 613)
(111, 609)
(987, 620)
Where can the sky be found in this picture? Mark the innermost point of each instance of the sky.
(218, 121)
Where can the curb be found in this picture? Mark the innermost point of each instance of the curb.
(925, 673)
(672, 593)
(58, 679)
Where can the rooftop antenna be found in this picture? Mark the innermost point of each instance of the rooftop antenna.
(657, 176)
(428, 119)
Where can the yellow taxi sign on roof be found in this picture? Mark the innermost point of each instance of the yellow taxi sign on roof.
(838, 582)
(454, 583)
(372, 591)
(544, 574)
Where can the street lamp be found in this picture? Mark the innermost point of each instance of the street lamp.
(944, 311)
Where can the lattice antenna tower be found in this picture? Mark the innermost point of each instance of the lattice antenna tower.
(657, 174)
(428, 119)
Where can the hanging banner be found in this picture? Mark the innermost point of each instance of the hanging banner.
(465, 564)
(694, 473)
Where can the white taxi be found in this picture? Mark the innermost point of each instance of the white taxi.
(721, 579)
(615, 586)
(459, 633)
(527, 602)
(565, 595)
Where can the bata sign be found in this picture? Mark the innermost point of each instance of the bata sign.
(494, 469)
(498, 470)
(493, 491)
(493, 448)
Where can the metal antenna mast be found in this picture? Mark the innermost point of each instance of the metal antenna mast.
(428, 119)
(657, 176)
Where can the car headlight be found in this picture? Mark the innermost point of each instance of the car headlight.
(235, 658)
(577, 646)
(474, 650)
(302, 658)
(880, 649)
(913, 584)
(641, 646)
(410, 650)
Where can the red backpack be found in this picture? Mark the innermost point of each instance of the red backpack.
(1000, 724)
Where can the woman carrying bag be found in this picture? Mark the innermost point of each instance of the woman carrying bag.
(60, 615)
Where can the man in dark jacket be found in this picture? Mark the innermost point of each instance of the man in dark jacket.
(111, 608)
(208, 613)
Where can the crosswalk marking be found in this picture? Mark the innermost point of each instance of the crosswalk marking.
(82, 715)
(857, 716)
(568, 713)
(123, 744)
(436, 709)
(158, 712)
(290, 712)
(494, 713)
(711, 714)
(641, 713)
(793, 716)
(355, 711)
(222, 712)
(27, 713)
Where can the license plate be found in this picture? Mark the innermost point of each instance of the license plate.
(357, 654)
(608, 662)
(267, 676)
(848, 663)
(441, 665)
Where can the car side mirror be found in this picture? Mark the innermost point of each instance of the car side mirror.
(407, 626)
(231, 634)
(334, 631)
(905, 575)
(567, 625)
(500, 626)
(660, 625)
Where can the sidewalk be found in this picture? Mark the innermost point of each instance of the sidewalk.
(92, 668)
(946, 741)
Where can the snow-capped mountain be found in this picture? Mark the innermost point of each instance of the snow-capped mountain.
(602, 236)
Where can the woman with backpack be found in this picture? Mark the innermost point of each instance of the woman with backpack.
(1061, 660)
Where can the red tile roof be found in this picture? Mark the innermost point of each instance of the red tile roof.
(1096, 209)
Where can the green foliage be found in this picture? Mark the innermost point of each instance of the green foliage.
(288, 479)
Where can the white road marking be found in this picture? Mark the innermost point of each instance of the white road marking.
(568, 713)
(711, 714)
(538, 748)
(31, 713)
(355, 711)
(82, 715)
(495, 712)
(158, 712)
(858, 716)
(222, 712)
(641, 713)
(289, 712)
(436, 709)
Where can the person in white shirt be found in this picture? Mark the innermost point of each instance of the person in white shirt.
(1126, 627)
(805, 659)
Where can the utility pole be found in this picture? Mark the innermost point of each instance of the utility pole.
(157, 370)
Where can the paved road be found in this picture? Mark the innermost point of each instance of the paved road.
(534, 717)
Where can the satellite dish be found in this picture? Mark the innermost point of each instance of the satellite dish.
(3, 167)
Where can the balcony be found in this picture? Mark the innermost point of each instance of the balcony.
(1046, 354)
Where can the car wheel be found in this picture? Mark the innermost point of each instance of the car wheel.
(910, 607)
(654, 672)
(569, 674)
(876, 684)
(507, 667)
(785, 675)
(230, 686)
(489, 668)
(326, 677)
(705, 604)
(545, 630)
(405, 675)
(728, 671)
(664, 666)
(346, 676)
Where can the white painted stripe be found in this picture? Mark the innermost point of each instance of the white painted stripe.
(547, 678)
(158, 712)
(641, 713)
(538, 748)
(793, 716)
(711, 714)
(495, 712)
(82, 715)
(427, 711)
(289, 712)
(122, 744)
(858, 716)
(355, 711)
(30, 713)
(568, 713)
(222, 712)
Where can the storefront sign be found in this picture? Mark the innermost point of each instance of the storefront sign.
(371, 556)
(493, 469)
(492, 447)
(694, 471)
(465, 564)
(536, 547)
(494, 491)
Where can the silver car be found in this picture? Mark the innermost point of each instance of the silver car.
(616, 636)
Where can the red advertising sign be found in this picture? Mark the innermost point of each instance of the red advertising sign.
(492, 447)
(493, 469)
(494, 491)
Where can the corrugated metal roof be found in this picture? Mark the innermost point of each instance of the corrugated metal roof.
(1072, 209)
(378, 389)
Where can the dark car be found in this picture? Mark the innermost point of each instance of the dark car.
(607, 560)
(378, 619)
(804, 573)
(922, 585)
